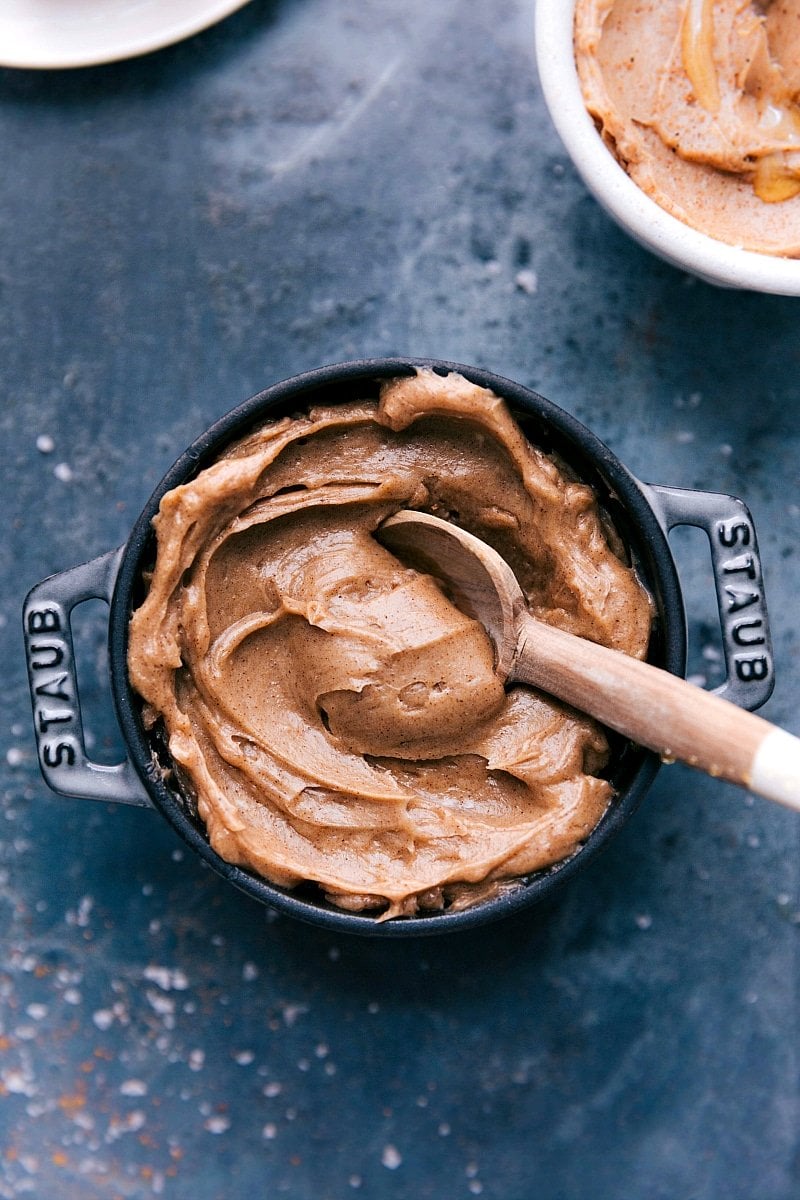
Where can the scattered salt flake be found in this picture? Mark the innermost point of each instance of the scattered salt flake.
(751, 998)
(132, 1122)
(471, 1170)
(753, 841)
(373, 1007)
(197, 1059)
(290, 1013)
(684, 437)
(303, 1064)
(444, 1129)
(103, 1018)
(354, 1181)
(643, 921)
(177, 855)
(391, 1157)
(783, 899)
(163, 1005)
(475, 1187)
(18, 1082)
(217, 1124)
(794, 510)
(45, 444)
(527, 281)
(133, 1087)
(249, 972)
(244, 1058)
(37, 1012)
(93, 1166)
(334, 953)
(72, 996)
(321, 1050)
(15, 756)
(272, 1090)
(726, 450)
(63, 471)
(269, 1131)
(167, 978)
(330, 1068)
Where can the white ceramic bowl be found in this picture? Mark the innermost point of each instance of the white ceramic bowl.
(714, 261)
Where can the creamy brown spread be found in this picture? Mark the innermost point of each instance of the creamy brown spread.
(333, 716)
(700, 102)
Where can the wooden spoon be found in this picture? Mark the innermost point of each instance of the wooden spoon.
(648, 705)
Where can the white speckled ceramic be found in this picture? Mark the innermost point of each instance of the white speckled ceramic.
(651, 226)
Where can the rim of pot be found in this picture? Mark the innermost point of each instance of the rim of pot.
(547, 426)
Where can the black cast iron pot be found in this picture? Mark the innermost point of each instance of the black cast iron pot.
(642, 513)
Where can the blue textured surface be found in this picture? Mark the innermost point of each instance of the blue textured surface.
(311, 181)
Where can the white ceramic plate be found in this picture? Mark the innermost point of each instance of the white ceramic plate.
(47, 34)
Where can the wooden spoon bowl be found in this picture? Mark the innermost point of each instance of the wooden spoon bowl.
(640, 701)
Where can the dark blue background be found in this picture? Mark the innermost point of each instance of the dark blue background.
(311, 181)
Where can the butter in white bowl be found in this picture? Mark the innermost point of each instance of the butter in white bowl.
(682, 117)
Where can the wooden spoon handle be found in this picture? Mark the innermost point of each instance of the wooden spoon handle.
(660, 711)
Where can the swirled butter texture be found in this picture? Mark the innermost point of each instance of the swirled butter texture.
(336, 720)
(700, 102)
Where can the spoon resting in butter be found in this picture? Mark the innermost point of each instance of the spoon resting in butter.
(652, 707)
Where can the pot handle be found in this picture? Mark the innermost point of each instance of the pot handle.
(54, 685)
(746, 641)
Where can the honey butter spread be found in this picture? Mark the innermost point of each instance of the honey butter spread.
(700, 102)
(335, 719)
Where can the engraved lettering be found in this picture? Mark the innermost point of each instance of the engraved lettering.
(752, 670)
(742, 638)
(58, 754)
(744, 563)
(54, 688)
(734, 532)
(46, 717)
(44, 620)
(55, 651)
(739, 599)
